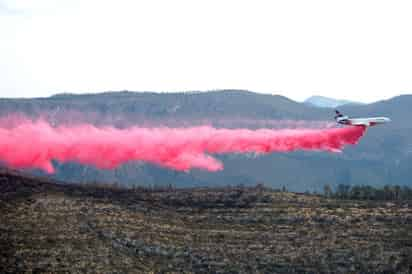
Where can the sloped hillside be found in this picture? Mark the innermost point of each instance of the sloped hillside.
(47, 227)
(383, 155)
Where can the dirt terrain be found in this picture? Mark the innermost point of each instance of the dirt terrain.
(47, 227)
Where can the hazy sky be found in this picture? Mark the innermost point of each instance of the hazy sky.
(360, 50)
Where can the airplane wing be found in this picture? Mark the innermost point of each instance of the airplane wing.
(361, 122)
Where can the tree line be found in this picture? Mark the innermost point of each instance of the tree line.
(366, 192)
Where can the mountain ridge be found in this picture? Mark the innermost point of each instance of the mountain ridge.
(328, 102)
(380, 158)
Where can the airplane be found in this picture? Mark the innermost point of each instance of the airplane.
(366, 122)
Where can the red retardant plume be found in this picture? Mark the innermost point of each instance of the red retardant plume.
(36, 144)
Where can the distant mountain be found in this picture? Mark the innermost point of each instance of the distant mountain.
(326, 102)
(383, 156)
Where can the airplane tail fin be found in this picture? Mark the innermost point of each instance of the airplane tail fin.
(338, 114)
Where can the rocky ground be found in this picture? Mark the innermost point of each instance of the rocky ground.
(46, 227)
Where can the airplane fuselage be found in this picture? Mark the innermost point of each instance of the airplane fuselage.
(369, 121)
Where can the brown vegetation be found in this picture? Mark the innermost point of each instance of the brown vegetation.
(49, 227)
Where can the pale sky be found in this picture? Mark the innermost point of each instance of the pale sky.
(358, 50)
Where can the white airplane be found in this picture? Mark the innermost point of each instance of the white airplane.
(367, 122)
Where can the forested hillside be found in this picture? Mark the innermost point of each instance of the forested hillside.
(383, 156)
